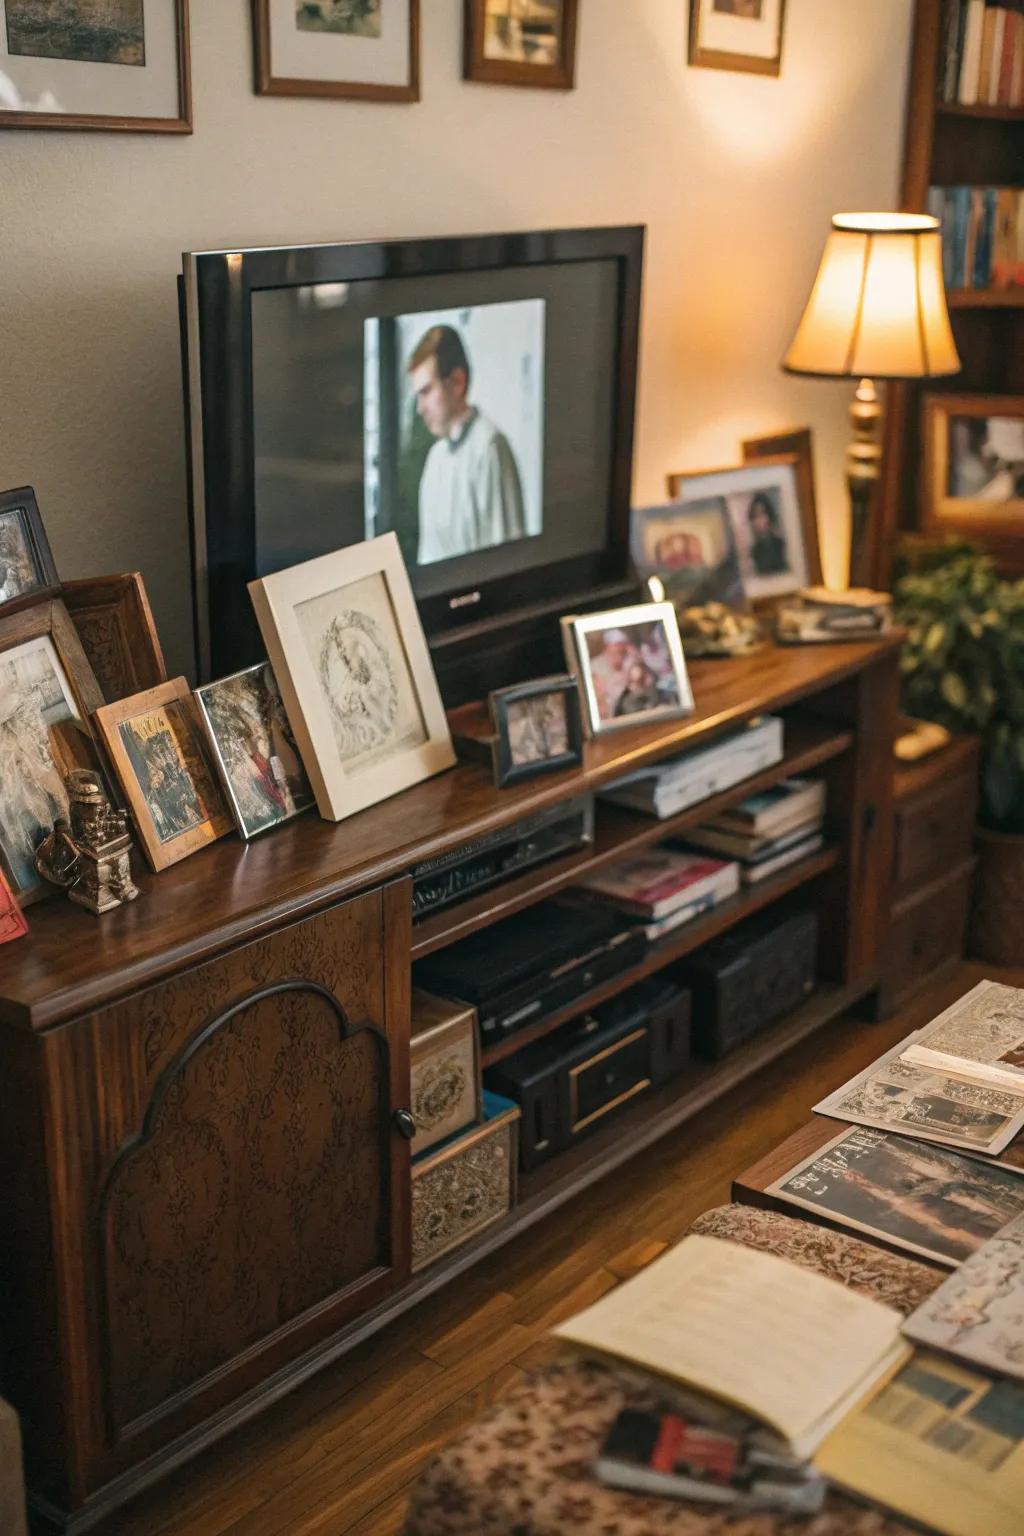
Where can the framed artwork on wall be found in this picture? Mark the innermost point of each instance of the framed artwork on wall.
(737, 34)
(115, 64)
(368, 50)
(27, 571)
(351, 660)
(521, 42)
(973, 462)
(47, 693)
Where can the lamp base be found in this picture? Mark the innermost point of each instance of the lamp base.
(863, 466)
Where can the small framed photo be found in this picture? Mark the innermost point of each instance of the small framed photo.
(27, 571)
(364, 49)
(47, 694)
(775, 534)
(521, 42)
(116, 64)
(737, 34)
(798, 442)
(155, 743)
(691, 548)
(537, 729)
(254, 750)
(973, 459)
(630, 666)
(351, 660)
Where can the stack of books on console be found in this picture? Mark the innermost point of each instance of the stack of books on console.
(662, 888)
(673, 786)
(768, 831)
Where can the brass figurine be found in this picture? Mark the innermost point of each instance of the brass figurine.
(88, 855)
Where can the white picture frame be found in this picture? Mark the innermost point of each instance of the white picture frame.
(604, 650)
(351, 660)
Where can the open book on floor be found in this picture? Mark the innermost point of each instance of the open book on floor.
(786, 1347)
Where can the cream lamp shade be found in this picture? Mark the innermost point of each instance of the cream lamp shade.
(878, 305)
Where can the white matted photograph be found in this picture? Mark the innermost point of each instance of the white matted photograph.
(367, 49)
(769, 525)
(352, 663)
(744, 35)
(630, 666)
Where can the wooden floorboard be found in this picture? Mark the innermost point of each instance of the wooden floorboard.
(338, 1456)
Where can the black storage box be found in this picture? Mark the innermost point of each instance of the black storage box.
(749, 977)
(577, 1077)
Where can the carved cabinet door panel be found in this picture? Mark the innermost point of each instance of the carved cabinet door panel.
(249, 1182)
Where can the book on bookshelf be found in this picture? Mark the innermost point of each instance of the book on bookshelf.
(981, 53)
(659, 881)
(982, 236)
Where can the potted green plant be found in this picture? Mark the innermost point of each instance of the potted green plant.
(963, 666)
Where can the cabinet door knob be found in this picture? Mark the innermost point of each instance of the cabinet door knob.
(404, 1123)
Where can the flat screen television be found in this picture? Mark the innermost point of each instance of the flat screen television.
(475, 395)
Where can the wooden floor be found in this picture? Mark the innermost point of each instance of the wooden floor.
(339, 1454)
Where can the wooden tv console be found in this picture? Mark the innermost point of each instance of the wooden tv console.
(205, 1187)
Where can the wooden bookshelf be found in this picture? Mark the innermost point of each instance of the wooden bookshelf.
(949, 144)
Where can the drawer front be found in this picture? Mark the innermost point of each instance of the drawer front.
(462, 1190)
(928, 931)
(608, 1079)
(935, 834)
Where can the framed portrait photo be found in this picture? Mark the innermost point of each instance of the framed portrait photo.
(116, 64)
(254, 750)
(776, 536)
(973, 461)
(691, 548)
(521, 42)
(365, 49)
(630, 666)
(27, 571)
(737, 34)
(47, 694)
(156, 746)
(537, 729)
(351, 660)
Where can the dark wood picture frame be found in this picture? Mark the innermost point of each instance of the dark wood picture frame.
(484, 71)
(506, 770)
(117, 123)
(269, 84)
(799, 441)
(23, 500)
(50, 620)
(714, 58)
(109, 719)
(118, 634)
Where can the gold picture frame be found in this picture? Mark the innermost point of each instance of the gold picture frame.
(741, 35)
(346, 60)
(513, 65)
(960, 446)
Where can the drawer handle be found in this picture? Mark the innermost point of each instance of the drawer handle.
(405, 1125)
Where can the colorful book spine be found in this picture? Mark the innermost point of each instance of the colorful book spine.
(982, 235)
(981, 53)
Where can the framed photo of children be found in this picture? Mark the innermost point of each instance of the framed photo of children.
(630, 666)
(27, 571)
(521, 42)
(365, 49)
(737, 34)
(254, 750)
(117, 64)
(155, 743)
(776, 535)
(537, 729)
(973, 460)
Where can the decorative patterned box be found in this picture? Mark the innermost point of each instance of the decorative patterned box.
(465, 1185)
(444, 1070)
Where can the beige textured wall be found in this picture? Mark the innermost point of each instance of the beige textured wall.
(736, 177)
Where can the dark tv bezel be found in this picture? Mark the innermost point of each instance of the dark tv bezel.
(217, 350)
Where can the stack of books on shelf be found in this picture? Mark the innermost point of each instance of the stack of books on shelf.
(982, 235)
(981, 56)
(766, 832)
(662, 888)
(673, 786)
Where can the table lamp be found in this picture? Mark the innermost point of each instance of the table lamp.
(877, 310)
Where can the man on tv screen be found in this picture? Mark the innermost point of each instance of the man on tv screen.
(470, 493)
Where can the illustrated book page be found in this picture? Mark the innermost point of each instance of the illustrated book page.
(790, 1348)
(940, 1444)
(978, 1313)
(981, 1037)
(896, 1095)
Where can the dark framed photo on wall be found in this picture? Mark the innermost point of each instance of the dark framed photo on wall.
(368, 50)
(113, 64)
(743, 35)
(973, 461)
(521, 42)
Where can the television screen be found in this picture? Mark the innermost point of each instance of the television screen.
(474, 396)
